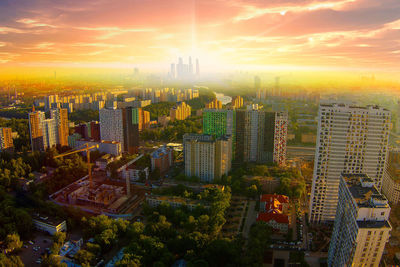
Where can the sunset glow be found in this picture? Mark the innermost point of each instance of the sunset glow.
(223, 34)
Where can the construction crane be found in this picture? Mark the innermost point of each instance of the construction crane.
(87, 150)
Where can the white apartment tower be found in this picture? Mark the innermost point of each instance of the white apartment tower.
(362, 225)
(111, 125)
(350, 139)
(207, 157)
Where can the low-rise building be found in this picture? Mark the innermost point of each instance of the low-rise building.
(274, 211)
(102, 162)
(49, 225)
(109, 147)
(162, 159)
(134, 172)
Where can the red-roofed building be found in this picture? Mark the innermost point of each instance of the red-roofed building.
(273, 211)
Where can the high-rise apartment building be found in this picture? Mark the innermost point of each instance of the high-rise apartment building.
(141, 118)
(50, 133)
(180, 112)
(36, 119)
(111, 125)
(237, 102)
(132, 121)
(220, 122)
(6, 141)
(391, 179)
(362, 225)
(261, 136)
(60, 115)
(215, 104)
(350, 139)
(207, 157)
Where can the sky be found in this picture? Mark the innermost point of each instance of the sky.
(248, 34)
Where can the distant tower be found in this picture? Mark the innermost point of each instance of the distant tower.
(190, 66)
(197, 67)
(173, 70)
(257, 82)
(179, 68)
(55, 74)
(277, 88)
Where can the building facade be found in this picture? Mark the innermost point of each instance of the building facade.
(350, 139)
(132, 121)
(207, 157)
(180, 112)
(111, 125)
(362, 225)
(60, 116)
(215, 104)
(220, 122)
(391, 179)
(237, 102)
(162, 159)
(36, 119)
(261, 136)
(6, 141)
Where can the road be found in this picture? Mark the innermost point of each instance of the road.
(250, 218)
(300, 152)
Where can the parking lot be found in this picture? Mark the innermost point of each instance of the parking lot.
(30, 253)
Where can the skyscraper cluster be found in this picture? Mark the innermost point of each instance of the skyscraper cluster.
(184, 71)
(253, 135)
(46, 133)
(169, 94)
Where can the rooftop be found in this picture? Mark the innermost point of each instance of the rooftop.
(364, 191)
(341, 105)
(279, 218)
(160, 152)
(46, 219)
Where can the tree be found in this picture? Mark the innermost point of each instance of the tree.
(52, 260)
(84, 257)
(128, 260)
(13, 242)
(10, 261)
(59, 237)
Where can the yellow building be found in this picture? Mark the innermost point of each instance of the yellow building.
(215, 104)
(237, 102)
(6, 141)
(180, 111)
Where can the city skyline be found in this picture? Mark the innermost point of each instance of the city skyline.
(334, 34)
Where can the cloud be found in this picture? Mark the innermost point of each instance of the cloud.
(325, 32)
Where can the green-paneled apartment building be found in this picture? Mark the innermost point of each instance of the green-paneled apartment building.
(220, 122)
